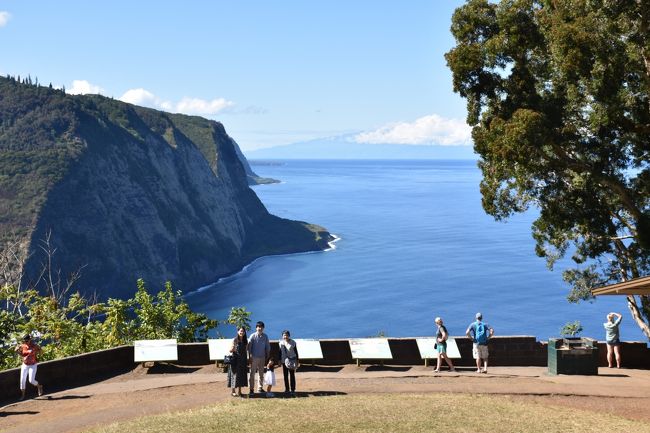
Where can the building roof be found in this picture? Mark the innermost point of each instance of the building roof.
(636, 286)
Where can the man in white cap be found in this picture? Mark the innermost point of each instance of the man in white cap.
(480, 333)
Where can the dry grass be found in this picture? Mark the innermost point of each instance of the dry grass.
(449, 413)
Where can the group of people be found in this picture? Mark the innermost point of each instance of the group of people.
(255, 352)
(478, 331)
(481, 332)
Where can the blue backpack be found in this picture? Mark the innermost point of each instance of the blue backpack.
(480, 333)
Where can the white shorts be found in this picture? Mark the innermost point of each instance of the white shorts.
(480, 351)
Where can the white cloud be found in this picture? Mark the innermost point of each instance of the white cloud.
(140, 97)
(201, 106)
(186, 105)
(83, 87)
(4, 18)
(427, 130)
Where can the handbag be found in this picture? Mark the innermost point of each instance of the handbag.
(230, 360)
(291, 363)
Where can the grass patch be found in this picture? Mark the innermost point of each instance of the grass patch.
(376, 413)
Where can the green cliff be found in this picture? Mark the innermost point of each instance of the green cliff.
(129, 192)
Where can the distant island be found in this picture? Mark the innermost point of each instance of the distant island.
(126, 192)
(343, 148)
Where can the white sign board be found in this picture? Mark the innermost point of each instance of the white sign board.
(219, 348)
(308, 348)
(155, 350)
(370, 348)
(427, 350)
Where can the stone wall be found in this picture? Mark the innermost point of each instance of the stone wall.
(95, 366)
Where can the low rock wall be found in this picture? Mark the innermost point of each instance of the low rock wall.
(504, 351)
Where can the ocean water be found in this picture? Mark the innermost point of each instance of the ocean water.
(414, 244)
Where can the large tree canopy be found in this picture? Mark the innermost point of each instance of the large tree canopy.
(558, 96)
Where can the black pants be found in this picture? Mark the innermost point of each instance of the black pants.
(286, 372)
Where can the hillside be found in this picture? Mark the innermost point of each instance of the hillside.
(129, 192)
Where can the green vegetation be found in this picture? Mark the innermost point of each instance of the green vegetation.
(571, 329)
(558, 94)
(449, 413)
(70, 325)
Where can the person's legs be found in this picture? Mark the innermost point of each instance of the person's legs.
(257, 365)
(617, 353)
(438, 362)
(285, 374)
(260, 375)
(448, 361)
(292, 375)
(32, 378)
(23, 380)
(609, 355)
(477, 357)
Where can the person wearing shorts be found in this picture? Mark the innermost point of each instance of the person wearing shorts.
(613, 338)
(480, 333)
(441, 345)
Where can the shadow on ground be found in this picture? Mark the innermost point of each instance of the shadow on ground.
(386, 368)
(320, 368)
(17, 412)
(297, 394)
(63, 397)
(159, 368)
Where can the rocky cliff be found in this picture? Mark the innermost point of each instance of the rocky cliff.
(129, 192)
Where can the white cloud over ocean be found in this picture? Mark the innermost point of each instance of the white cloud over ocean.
(428, 130)
(4, 18)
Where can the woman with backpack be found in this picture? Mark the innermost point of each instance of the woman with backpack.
(441, 346)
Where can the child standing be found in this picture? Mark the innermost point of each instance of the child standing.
(269, 377)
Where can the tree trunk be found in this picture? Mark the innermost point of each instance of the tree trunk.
(636, 315)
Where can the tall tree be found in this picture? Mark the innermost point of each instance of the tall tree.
(558, 94)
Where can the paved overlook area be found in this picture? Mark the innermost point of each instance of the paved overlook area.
(165, 388)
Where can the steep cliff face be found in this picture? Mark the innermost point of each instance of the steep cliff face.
(128, 192)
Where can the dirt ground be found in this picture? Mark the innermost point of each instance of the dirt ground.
(163, 388)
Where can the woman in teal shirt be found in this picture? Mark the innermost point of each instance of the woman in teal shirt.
(612, 338)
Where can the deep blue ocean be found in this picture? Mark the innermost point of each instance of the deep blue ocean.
(414, 244)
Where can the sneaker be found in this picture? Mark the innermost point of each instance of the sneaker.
(436, 371)
(479, 370)
(270, 395)
(452, 369)
(484, 371)
(251, 391)
(40, 390)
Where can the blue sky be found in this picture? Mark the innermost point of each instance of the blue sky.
(273, 72)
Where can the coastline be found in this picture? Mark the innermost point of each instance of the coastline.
(246, 267)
